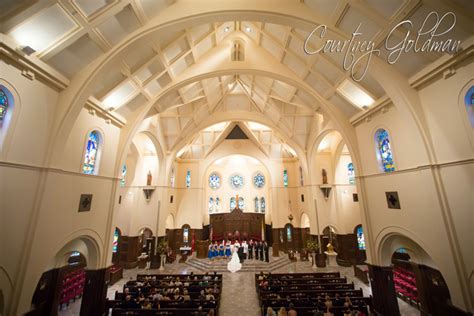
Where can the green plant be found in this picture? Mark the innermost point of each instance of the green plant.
(162, 246)
(312, 245)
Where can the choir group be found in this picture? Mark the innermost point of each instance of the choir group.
(250, 250)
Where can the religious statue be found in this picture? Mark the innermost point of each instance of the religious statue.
(330, 248)
(325, 176)
(148, 178)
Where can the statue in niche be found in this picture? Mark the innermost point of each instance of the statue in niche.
(325, 176)
(148, 178)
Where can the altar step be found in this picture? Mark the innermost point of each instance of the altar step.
(247, 266)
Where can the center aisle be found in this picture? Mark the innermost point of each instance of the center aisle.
(238, 295)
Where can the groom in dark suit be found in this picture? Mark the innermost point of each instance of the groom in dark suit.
(240, 253)
(265, 251)
(251, 246)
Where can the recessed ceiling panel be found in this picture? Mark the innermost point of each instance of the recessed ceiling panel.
(44, 29)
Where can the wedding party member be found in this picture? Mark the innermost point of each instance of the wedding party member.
(210, 252)
(221, 250)
(265, 251)
(215, 252)
(251, 247)
(228, 253)
(234, 264)
(257, 250)
(241, 253)
(246, 249)
(260, 251)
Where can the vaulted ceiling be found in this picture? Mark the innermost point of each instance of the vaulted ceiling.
(71, 34)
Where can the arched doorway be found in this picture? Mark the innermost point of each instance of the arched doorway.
(62, 286)
(145, 238)
(305, 229)
(329, 236)
(416, 279)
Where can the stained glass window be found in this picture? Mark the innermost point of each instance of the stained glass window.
(188, 179)
(259, 180)
(360, 238)
(262, 205)
(211, 205)
(384, 152)
(256, 204)
(124, 174)
(115, 241)
(351, 173)
(233, 203)
(288, 233)
(285, 178)
(241, 203)
(469, 102)
(186, 235)
(3, 104)
(92, 149)
(214, 181)
(218, 202)
(236, 181)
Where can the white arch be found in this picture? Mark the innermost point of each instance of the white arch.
(304, 222)
(169, 221)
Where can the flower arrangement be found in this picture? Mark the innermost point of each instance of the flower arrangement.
(162, 246)
(312, 245)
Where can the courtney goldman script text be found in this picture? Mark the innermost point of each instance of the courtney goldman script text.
(358, 52)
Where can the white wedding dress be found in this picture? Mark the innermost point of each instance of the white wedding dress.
(234, 265)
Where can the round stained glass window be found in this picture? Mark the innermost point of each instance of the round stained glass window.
(214, 181)
(259, 180)
(236, 181)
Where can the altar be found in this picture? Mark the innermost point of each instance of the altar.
(248, 225)
(185, 251)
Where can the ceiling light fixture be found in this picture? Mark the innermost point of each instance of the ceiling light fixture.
(248, 29)
(226, 29)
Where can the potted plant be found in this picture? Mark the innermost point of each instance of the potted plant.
(161, 249)
(312, 247)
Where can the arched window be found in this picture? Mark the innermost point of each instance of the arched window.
(4, 103)
(360, 237)
(288, 233)
(262, 204)
(256, 204)
(351, 173)
(188, 178)
(285, 178)
(241, 203)
(384, 151)
(301, 176)
(233, 203)
(469, 103)
(186, 234)
(115, 240)
(91, 157)
(218, 202)
(211, 205)
(172, 177)
(124, 174)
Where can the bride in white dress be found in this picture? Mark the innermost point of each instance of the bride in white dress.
(234, 265)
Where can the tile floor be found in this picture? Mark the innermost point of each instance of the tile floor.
(238, 293)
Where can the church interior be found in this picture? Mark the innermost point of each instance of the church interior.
(218, 157)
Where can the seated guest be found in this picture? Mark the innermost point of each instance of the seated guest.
(178, 282)
(327, 305)
(129, 302)
(200, 312)
(348, 301)
(211, 312)
(270, 312)
(282, 312)
(347, 310)
(146, 304)
(338, 300)
(292, 311)
(210, 297)
(215, 290)
(202, 296)
(186, 296)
